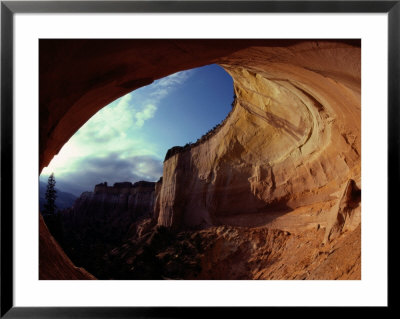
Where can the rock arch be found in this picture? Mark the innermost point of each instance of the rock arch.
(294, 136)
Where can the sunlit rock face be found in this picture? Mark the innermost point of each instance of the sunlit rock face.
(284, 158)
(292, 140)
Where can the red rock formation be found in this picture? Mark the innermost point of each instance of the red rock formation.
(292, 142)
(231, 252)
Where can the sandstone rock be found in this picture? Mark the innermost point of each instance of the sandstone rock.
(232, 253)
(292, 140)
(123, 201)
(290, 144)
(345, 215)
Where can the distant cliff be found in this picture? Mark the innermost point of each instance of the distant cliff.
(100, 220)
(119, 205)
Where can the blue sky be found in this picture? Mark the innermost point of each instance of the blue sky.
(128, 139)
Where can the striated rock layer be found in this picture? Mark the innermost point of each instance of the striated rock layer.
(293, 140)
(288, 156)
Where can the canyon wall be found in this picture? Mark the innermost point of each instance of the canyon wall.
(101, 220)
(288, 156)
(292, 141)
(117, 206)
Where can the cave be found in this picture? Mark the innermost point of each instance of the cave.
(291, 145)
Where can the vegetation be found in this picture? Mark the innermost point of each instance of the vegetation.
(179, 149)
(234, 101)
(53, 221)
(51, 195)
(160, 254)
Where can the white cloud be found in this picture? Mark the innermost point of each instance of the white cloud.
(162, 87)
(111, 168)
(146, 113)
(111, 121)
(115, 129)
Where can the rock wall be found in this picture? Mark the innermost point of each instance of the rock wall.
(283, 157)
(100, 221)
(292, 140)
(120, 205)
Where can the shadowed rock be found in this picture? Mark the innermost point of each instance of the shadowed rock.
(293, 137)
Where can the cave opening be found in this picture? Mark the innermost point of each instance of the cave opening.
(105, 174)
(129, 139)
(278, 168)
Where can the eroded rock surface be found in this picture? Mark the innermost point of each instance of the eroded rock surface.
(232, 253)
(293, 140)
(281, 161)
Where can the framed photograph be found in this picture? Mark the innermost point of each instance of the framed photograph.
(173, 158)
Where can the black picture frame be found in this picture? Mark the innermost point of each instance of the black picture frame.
(9, 8)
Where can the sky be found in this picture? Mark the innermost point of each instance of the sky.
(127, 140)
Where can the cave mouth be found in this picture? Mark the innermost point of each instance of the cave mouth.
(129, 139)
(293, 138)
